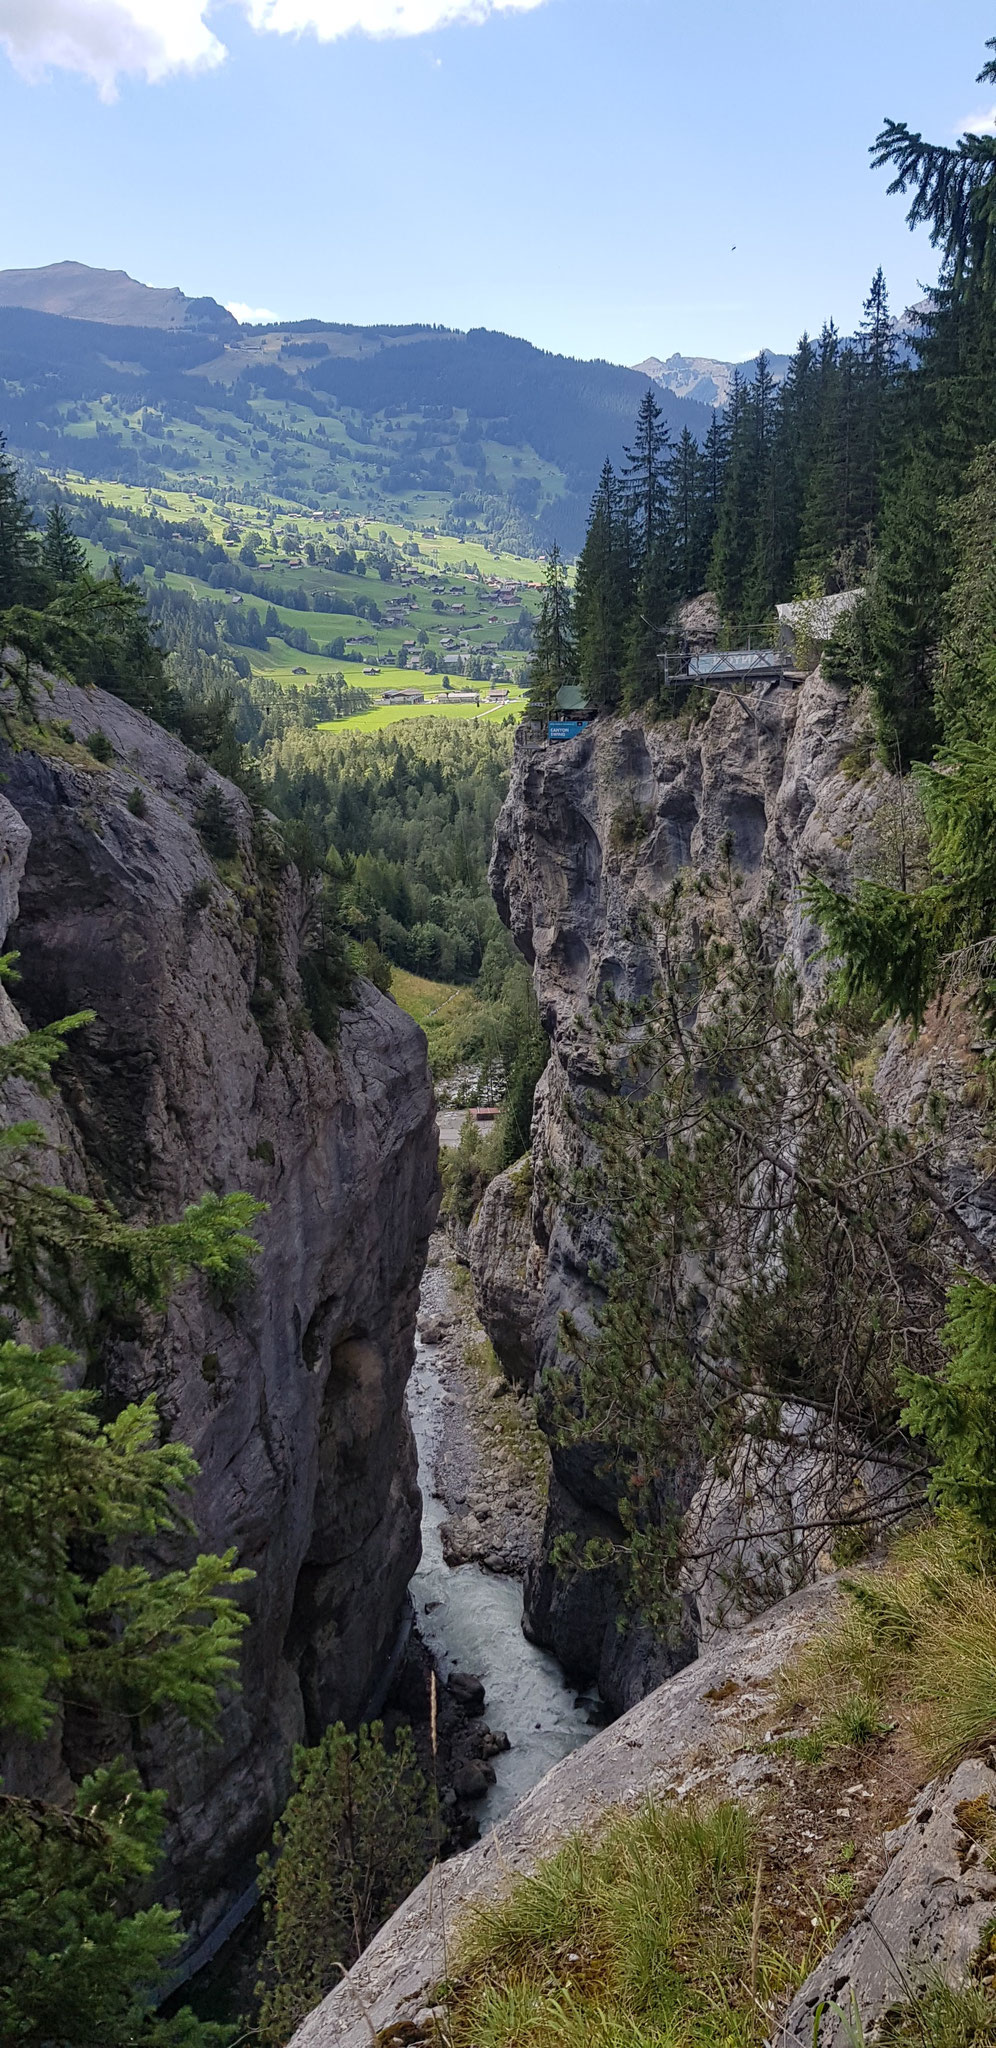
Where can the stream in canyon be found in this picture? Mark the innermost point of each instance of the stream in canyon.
(471, 1620)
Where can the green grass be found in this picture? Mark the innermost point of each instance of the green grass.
(382, 715)
(654, 1935)
(452, 1017)
(917, 1638)
(484, 620)
(854, 1720)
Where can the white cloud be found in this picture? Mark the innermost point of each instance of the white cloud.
(979, 124)
(110, 39)
(251, 316)
(329, 19)
(104, 39)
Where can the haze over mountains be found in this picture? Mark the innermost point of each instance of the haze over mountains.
(475, 432)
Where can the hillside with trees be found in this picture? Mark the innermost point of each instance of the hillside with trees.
(473, 433)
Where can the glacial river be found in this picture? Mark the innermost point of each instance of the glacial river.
(471, 1620)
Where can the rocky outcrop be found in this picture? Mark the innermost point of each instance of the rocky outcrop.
(780, 783)
(925, 1919)
(691, 1737)
(921, 1867)
(200, 1072)
(507, 1266)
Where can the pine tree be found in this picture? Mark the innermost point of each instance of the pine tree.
(19, 578)
(645, 476)
(688, 515)
(554, 662)
(356, 1836)
(603, 595)
(63, 557)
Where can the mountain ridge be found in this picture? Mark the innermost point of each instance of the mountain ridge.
(79, 291)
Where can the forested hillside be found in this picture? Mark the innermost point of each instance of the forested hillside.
(474, 433)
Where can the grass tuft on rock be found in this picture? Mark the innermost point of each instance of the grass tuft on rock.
(917, 1635)
(655, 1935)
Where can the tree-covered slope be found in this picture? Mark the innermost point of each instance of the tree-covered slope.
(476, 431)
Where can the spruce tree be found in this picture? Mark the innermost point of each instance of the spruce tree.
(688, 515)
(953, 190)
(791, 460)
(20, 583)
(834, 508)
(645, 476)
(762, 581)
(653, 604)
(655, 592)
(603, 595)
(715, 457)
(751, 426)
(905, 614)
(63, 557)
(554, 662)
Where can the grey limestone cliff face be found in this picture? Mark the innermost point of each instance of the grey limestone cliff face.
(507, 1267)
(200, 1073)
(591, 837)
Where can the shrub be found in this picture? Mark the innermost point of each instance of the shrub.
(217, 826)
(356, 1836)
(100, 746)
(200, 895)
(137, 803)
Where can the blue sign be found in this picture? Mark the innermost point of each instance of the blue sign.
(564, 728)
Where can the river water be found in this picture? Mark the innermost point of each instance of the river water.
(471, 1621)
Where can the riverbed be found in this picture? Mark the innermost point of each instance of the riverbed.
(471, 1620)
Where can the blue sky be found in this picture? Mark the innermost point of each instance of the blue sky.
(605, 177)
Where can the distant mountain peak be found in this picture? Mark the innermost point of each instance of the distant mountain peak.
(704, 378)
(79, 292)
(708, 379)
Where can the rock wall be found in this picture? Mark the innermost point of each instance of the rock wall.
(200, 1072)
(591, 837)
(507, 1268)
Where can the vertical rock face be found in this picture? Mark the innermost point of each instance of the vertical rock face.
(200, 1072)
(591, 837)
(507, 1266)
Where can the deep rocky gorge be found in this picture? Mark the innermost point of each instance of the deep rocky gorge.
(200, 1073)
(593, 833)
